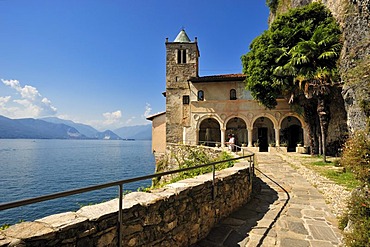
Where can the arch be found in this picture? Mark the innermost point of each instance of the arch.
(290, 114)
(209, 132)
(263, 132)
(266, 115)
(291, 132)
(213, 116)
(238, 127)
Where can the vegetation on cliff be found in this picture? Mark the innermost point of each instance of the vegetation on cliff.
(297, 58)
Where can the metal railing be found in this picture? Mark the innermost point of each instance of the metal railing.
(120, 184)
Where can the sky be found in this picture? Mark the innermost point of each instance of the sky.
(102, 62)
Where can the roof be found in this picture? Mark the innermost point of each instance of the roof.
(182, 37)
(218, 78)
(155, 115)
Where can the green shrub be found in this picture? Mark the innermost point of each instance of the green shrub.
(357, 219)
(356, 156)
(197, 157)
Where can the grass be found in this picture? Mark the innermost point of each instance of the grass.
(326, 169)
(347, 179)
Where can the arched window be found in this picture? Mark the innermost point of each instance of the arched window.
(200, 95)
(232, 94)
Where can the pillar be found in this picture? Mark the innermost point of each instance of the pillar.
(197, 137)
(250, 137)
(223, 133)
(277, 137)
(184, 135)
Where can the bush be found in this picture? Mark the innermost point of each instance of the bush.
(356, 222)
(356, 156)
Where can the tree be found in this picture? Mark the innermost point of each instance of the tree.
(296, 57)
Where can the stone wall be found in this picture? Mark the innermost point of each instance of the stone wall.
(176, 215)
(176, 154)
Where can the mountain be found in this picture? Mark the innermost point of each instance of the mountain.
(107, 135)
(86, 130)
(138, 132)
(30, 128)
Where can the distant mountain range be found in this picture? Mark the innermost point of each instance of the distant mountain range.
(56, 128)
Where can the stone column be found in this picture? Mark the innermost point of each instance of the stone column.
(196, 137)
(250, 137)
(223, 133)
(184, 135)
(277, 137)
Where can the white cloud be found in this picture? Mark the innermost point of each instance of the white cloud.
(148, 109)
(112, 117)
(129, 121)
(4, 100)
(30, 103)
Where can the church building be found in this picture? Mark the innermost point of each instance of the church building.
(205, 109)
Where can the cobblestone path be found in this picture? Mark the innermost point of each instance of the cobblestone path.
(286, 211)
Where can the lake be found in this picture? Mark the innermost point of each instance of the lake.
(30, 168)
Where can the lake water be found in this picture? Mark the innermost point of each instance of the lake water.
(30, 168)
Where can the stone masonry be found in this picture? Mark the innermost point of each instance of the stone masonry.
(176, 215)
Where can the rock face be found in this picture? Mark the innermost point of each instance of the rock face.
(354, 18)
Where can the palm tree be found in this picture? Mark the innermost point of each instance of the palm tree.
(313, 65)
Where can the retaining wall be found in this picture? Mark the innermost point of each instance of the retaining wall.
(179, 214)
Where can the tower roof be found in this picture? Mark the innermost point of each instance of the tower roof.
(182, 37)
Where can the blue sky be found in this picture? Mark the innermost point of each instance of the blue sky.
(102, 62)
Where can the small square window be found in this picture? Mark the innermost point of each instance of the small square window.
(185, 99)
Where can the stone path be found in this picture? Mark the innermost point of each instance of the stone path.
(287, 211)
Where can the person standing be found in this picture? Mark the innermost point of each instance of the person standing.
(231, 142)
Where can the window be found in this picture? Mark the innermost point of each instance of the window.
(185, 99)
(181, 56)
(200, 95)
(232, 94)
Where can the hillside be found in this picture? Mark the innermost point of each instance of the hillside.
(138, 132)
(30, 128)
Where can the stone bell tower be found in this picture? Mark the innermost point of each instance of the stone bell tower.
(181, 64)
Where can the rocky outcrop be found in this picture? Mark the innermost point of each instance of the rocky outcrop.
(354, 18)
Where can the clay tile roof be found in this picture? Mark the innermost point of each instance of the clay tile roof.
(218, 78)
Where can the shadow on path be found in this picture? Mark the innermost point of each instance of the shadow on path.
(261, 213)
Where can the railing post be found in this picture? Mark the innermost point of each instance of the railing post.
(120, 205)
(213, 181)
(250, 169)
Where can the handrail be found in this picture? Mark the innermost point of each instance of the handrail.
(120, 183)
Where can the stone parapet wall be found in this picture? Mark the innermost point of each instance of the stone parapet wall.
(178, 214)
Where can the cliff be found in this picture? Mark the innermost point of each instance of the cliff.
(353, 17)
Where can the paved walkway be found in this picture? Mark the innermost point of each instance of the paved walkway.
(287, 211)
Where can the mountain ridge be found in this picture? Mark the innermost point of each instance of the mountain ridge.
(56, 128)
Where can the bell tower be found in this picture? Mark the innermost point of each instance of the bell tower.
(182, 56)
